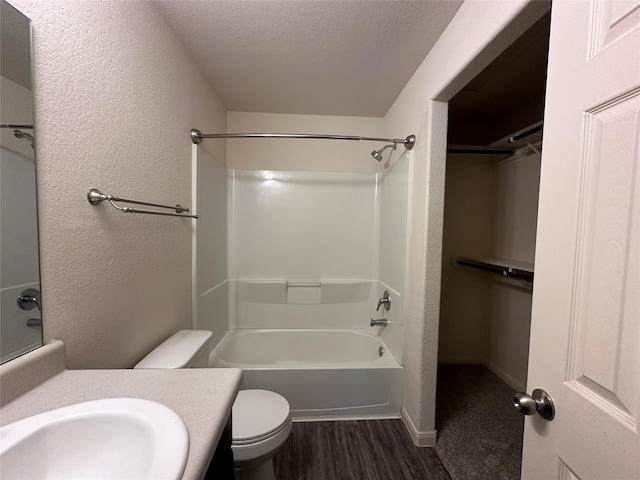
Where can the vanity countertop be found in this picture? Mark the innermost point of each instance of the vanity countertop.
(203, 397)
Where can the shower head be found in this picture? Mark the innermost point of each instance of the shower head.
(377, 154)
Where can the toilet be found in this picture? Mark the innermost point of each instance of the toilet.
(260, 419)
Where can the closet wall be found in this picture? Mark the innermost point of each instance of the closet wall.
(466, 294)
(490, 211)
(516, 205)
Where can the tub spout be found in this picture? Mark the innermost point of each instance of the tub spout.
(378, 322)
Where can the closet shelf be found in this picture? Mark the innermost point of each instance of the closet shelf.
(507, 268)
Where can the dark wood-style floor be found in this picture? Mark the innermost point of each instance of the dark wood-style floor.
(355, 450)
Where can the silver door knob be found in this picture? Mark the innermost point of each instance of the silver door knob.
(538, 402)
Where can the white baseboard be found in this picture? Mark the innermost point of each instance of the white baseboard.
(505, 377)
(340, 418)
(461, 360)
(420, 439)
(497, 371)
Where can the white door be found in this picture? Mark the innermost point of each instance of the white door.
(585, 333)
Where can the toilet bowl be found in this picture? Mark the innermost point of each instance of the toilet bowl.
(260, 424)
(261, 420)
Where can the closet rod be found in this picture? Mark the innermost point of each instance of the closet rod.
(197, 136)
(524, 134)
(504, 270)
(482, 151)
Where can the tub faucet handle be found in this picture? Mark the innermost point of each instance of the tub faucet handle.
(385, 300)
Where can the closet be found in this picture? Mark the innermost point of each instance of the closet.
(490, 212)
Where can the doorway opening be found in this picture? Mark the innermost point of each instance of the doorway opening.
(490, 213)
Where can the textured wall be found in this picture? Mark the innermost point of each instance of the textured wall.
(468, 231)
(116, 95)
(476, 35)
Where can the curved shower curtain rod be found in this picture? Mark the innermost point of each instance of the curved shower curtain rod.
(197, 136)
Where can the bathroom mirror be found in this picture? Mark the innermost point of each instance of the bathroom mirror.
(20, 305)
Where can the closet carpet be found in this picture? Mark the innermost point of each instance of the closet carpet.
(479, 431)
(355, 450)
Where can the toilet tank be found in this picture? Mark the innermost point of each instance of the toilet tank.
(184, 349)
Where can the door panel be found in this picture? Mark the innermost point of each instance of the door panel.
(585, 334)
(604, 362)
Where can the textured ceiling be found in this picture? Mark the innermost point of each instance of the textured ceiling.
(308, 57)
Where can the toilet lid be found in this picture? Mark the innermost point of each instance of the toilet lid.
(257, 413)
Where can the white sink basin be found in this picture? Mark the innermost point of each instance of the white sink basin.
(114, 438)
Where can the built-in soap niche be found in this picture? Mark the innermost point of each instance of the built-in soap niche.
(303, 291)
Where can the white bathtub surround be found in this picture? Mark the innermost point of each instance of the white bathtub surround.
(310, 250)
(210, 285)
(16, 337)
(324, 374)
(298, 239)
(302, 303)
(303, 291)
(213, 310)
(394, 316)
(302, 225)
(393, 207)
(302, 249)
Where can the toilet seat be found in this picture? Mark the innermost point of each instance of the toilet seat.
(258, 415)
(269, 435)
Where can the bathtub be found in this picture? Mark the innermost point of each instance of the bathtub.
(324, 374)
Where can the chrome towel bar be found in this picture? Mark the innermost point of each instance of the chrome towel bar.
(95, 197)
